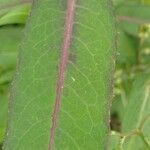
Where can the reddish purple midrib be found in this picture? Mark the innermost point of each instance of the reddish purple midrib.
(70, 11)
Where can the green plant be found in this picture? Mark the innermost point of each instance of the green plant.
(129, 120)
(61, 92)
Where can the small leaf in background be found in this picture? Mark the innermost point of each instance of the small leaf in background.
(127, 49)
(10, 37)
(131, 16)
(136, 110)
(15, 15)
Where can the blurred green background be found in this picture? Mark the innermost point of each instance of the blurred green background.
(130, 113)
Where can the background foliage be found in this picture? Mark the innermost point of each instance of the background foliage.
(130, 113)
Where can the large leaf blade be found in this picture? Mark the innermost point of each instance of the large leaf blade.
(84, 114)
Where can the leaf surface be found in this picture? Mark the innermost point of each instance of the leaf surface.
(136, 110)
(10, 38)
(62, 89)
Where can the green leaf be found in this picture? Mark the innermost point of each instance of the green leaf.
(127, 49)
(137, 102)
(82, 117)
(14, 12)
(10, 12)
(3, 115)
(116, 3)
(10, 37)
(16, 15)
(12, 3)
(3, 2)
(136, 110)
(130, 19)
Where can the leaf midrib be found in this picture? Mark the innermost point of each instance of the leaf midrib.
(68, 28)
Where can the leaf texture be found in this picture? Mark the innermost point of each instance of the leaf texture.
(137, 110)
(60, 100)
